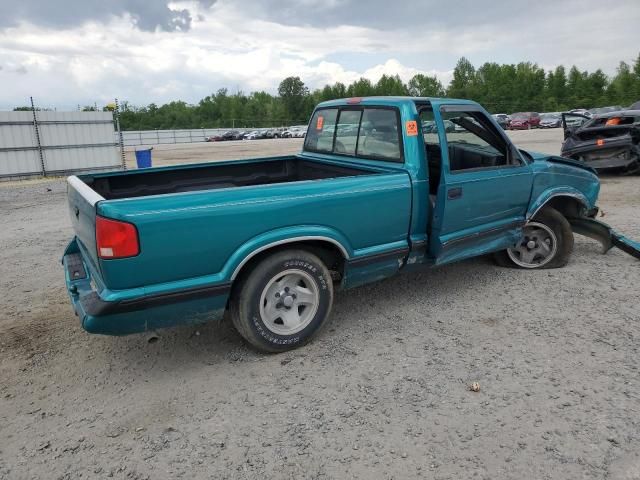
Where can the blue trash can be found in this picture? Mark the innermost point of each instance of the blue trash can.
(143, 158)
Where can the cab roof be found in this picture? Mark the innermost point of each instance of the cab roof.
(397, 101)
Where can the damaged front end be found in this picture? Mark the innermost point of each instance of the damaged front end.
(603, 233)
(605, 142)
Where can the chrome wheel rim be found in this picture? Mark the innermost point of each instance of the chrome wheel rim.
(537, 247)
(289, 302)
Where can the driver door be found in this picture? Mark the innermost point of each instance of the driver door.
(484, 189)
(571, 122)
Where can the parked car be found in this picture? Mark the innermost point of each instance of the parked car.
(581, 111)
(432, 127)
(273, 133)
(550, 120)
(502, 119)
(601, 110)
(253, 135)
(218, 137)
(573, 120)
(524, 120)
(609, 141)
(290, 132)
(300, 133)
(182, 244)
(230, 135)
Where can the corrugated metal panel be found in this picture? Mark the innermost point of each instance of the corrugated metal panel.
(155, 137)
(71, 141)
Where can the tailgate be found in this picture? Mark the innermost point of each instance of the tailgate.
(82, 201)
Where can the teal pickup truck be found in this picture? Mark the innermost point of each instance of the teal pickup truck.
(381, 186)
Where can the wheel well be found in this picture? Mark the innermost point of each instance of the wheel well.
(328, 252)
(566, 205)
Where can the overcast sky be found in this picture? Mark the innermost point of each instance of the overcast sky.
(69, 52)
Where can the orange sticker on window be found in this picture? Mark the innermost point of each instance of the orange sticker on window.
(320, 123)
(412, 128)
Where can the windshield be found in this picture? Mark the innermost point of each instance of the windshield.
(519, 116)
(550, 116)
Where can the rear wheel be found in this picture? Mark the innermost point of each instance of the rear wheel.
(283, 302)
(547, 242)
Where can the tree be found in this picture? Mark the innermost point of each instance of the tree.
(361, 88)
(425, 86)
(462, 84)
(293, 93)
(498, 87)
(556, 89)
(390, 85)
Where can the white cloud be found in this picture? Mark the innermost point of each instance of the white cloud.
(228, 46)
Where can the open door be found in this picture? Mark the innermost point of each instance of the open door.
(571, 122)
(484, 185)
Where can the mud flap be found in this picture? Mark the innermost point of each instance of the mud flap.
(603, 233)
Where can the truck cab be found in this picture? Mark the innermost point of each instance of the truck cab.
(382, 185)
(473, 191)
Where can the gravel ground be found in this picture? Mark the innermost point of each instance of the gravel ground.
(382, 393)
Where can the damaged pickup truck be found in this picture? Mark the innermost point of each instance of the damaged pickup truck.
(268, 240)
(605, 142)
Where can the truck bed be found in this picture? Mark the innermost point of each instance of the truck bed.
(211, 177)
(190, 224)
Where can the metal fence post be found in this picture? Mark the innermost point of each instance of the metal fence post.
(39, 144)
(120, 140)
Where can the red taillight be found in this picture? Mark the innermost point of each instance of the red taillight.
(116, 239)
(600, 142)
(354, 100)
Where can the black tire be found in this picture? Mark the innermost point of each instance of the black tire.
(564, 236)
(245, 311)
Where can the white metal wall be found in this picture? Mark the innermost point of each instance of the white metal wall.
(69, 142)
(158, 137)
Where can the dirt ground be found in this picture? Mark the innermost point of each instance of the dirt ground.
(382, 393)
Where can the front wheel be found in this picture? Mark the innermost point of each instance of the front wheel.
(283, 302)
(547, 242)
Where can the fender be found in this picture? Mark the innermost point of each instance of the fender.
(283, 236)
(549, 194)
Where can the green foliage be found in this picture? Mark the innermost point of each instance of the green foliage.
(501, 88)
(425, 86)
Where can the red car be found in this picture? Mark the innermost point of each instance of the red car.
(524, 121)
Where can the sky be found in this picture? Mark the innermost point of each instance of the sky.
(67, 53)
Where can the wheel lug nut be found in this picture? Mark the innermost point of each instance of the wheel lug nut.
(286, 289)
(277, 294)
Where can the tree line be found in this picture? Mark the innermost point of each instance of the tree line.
(500, 88)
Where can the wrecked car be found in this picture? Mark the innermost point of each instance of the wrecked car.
(609, 141)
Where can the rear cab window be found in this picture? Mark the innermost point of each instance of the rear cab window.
(356, 131)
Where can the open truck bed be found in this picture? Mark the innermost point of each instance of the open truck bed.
(196, 225)
(214, 176)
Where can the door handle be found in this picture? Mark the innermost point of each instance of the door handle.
(454, 193)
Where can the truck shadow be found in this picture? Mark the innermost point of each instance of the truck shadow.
(217, 343)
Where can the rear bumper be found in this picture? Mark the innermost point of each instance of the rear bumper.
(123, 313)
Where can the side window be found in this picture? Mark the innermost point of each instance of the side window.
(379, 135)
(321, 129)
(347, 132)
(473, 141)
